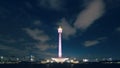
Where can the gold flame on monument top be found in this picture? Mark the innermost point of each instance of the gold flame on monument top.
(60, 29)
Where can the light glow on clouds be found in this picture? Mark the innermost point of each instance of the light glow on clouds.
(92, 12)
(68, 30)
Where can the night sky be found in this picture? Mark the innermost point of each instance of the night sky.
(91, 28)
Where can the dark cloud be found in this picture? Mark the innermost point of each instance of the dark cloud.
(12, 51)
(37, 34)
(90, 43)
(118, 29)
(52, 4)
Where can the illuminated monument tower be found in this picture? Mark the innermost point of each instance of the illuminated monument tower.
(60, 59)
(60, 42)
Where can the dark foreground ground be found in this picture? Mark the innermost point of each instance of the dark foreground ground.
(59, 65)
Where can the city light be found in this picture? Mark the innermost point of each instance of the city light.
(85, 60)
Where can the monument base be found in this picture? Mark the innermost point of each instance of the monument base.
(60, 60)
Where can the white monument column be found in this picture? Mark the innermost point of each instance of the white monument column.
(60, 42)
